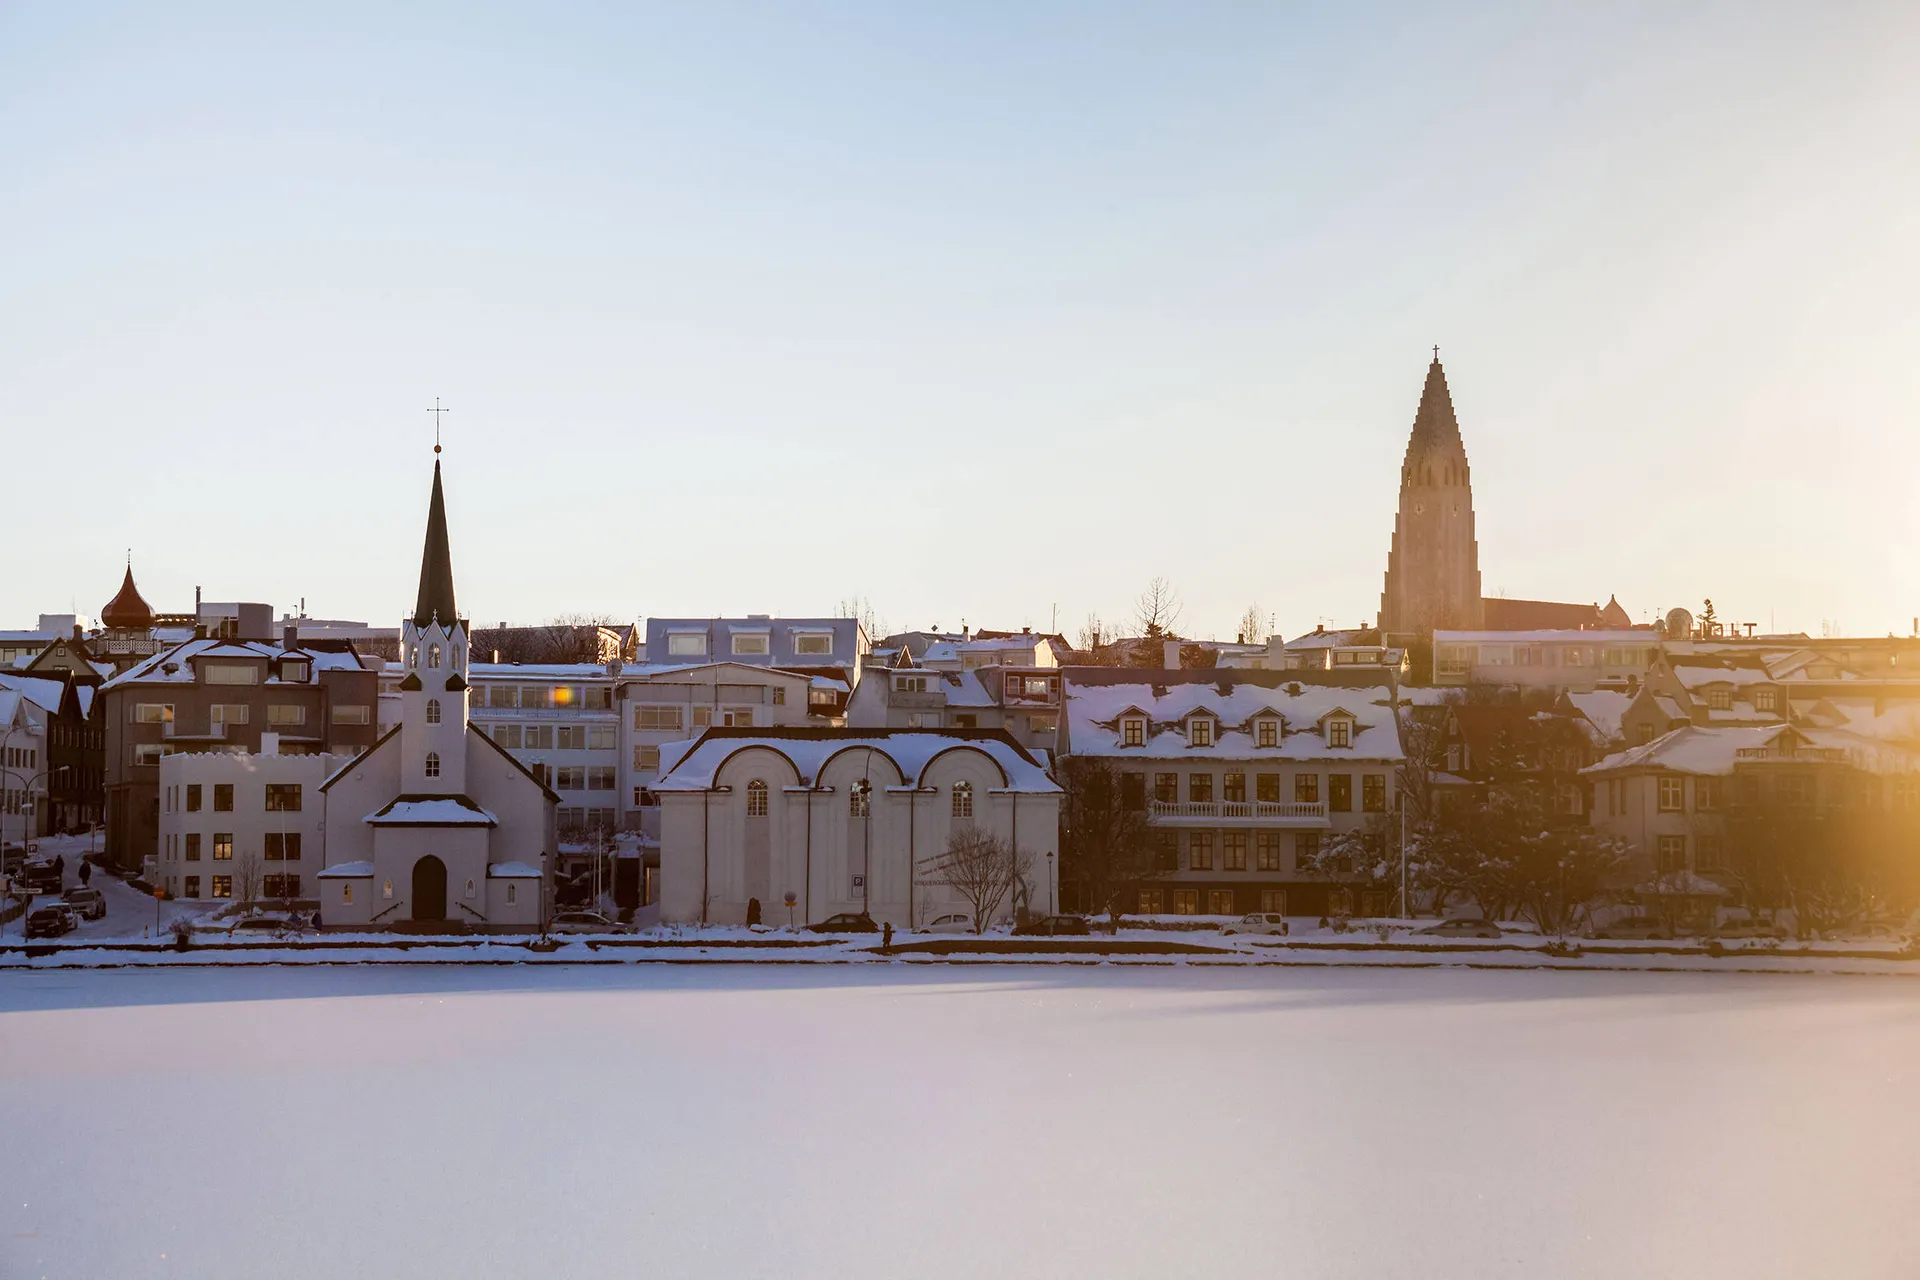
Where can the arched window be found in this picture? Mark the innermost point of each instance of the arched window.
(459, 656)
(859, 801)
(433, 711)
(433, 656)
(413, 656)
(433, 764)
(513, 894)
(756, 799)
(963, 799)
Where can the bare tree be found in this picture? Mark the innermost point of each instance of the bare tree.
(982, 868)
(1093, 634)
(861, 610)
(1253, 625)
(1158, 610)
(246, 879)
(1106, 844)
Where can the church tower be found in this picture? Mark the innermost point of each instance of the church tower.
(433, 697)
(1433, 568)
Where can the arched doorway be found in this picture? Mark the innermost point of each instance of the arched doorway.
(429, 889)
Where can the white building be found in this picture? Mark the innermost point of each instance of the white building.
(1557, 659)
(23, 763)
(435, 824)
(814, 822)
(241, 825)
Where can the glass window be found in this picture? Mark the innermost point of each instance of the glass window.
(283, 797)
(1274, 901)
(281, 714)
(223, 797)
(1233, 851)
(1186, 902)
(1166, 787)
(433, 656)
(1673, 853)
(963, 799)
(756, 799)
(813, 643)
(1152, 903)
(600, 777)
(346, 893)
(1200, 732)
(751, 644)
(656, 717)
(687, 644)
(507, 735)
(223, 886)
(1200, 788)
(1266, 788)
(1220, 902)
(1133, 732)
(229, 713)
(433, 764)
(1339, 793)
(153, 713)
(193, 797)
(230, 673)
(350, 715)
(570, 777)
(1720, 699)
(1267, 732)
(433, 711)
(1234, 788)
(223, 846)
(1166, 854)
(1200, 851)
(193, 887)
(1306, 847)
(1266, 848)
(193, 846)
(1373, 792)
(646, 757)
(1306, 788)
(1339, 732)
(1673, 795)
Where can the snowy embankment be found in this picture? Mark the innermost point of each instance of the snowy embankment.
(1308, 948)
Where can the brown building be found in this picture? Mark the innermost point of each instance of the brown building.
(1433, 568)
(218, 694)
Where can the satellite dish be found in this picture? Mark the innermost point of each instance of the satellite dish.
(1679, 624)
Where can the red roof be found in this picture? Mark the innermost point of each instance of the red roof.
(127, 610)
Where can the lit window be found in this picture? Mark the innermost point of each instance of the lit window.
(433, 655)
(756, 799)
(433, 711)
(1134, 732)
(963, 799)
(859, 800)
(433, 764)
(1267, 733)
(1339, 733)
(346, 894)
(1200, 732)
(223, 886)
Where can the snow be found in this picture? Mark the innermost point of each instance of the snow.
(347, 871)
(1094, 711)
(436, 811)
(513, 871)
(1603, 709)
(1568, 635)
(1713, 750)
(693, 769)
(886, 1121)
(153, 670)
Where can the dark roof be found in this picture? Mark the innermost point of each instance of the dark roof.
(1499, 614)
(127, 609)
(436, 565)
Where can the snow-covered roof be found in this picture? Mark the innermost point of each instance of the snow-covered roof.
(1094, 712)
(1691, 676)
(694, 765)
(153, 670)
(1602, 708)
(432, 811)
(1713, 750)
(1882, 719)
(347, 871)
(1334, 640)
(41, 692)
(512, 871)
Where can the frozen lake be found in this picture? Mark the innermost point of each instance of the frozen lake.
(1021, 1121)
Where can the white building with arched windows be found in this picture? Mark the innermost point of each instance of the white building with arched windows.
(815, 822)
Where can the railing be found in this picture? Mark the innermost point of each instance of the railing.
(390, 907)
(470, 911)
(916, 700)
(1237, 811)
(215, 732)
(1829, 755)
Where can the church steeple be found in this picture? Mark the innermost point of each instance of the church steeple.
(436, 563)
(1433, 568)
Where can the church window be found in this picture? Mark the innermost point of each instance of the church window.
(963, 800)
(459, 656)
(433, 764)
(513, 894)
(386, 888)
(346, 894)
(433, 711)
(433, 655)
(471, 892)
(859, 802)
(756, 799)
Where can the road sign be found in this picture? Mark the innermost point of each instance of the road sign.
(791, 898)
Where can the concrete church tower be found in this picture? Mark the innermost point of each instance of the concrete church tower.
(1433, 569)
(433, 644)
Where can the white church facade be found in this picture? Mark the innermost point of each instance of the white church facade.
(435, 824)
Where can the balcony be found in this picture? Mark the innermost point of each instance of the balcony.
(1238, 813)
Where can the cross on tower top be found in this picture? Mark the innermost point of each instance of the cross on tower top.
(1436, 359)
(436, 411)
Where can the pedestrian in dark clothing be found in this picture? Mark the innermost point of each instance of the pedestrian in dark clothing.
(886, 937)
(60, 866)
(86, 872)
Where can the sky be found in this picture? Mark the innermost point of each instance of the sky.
(980, 313)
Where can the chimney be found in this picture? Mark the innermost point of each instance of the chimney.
(1170, 654)
(269, 744)
(1319, 628)
(290, 637)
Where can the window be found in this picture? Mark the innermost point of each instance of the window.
(1673, 795)
(295, 672)
(350, 715)
(1186, 902)
(600, 777)
(193, 846)
(963, 799)
(570, 737)
(1234, 788)
(1200, 732)
(513, 894)
(1673, 853)
(280, 714)
(433, 656)
(193, 887)
(386, 888)
(223, 797)
(1152, 902)
(646, 757)
(859, 800)
(1166, 852)
(910, 684)
(282, 846)
(1266, 852)
(603, 737)
(1200, 851)
(1200, 788)
(779, 695)
(756, 799)
(752, 644)
(536, 698)
(153, 713)
(225, 713)
(1373, 792)
(433, 711)
(1340, 793)
(433, 764)
(1720, 699)
(506, 735)
(703, 717)
(223, 886)
(1306, 788)
(1166, 787)
(283, 797)
(813, 644)
(656, 717)
(1220, 902)
(1339, 732)
(346, 893)
(1274, 901)
(1453, 660)
(1133, 732)
(1904, 794)
(1306, 847)
(280, 886)
(1266, 788)
(1763, 700)
(193, 797)
(570, 777)
(1233, 850)
(230, 673)
(1706, 794)
(1042, 724)
(687, 644)
(1340, 902)
(737, 717)
(1266, 732)
(1710, 854)
(223, 846)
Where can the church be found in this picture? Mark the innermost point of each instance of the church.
(434, 825)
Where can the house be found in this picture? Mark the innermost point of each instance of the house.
(558, 719)
(1321, 650)
(807, 823)
(1008, 681)
(241, 827)
(1243, 775)
(73, 787)
(23, 757)
(759, 640)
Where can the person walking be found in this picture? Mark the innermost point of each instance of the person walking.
(886, 938)
(86, 872)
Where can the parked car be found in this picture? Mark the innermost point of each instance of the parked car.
(957, 922)
(585, 922)
(846, 922)
(274, 923)
(1633, 927)
(41, 875)
(89, 904)
(1462, 927)
(1270, 922)
(1051, 926)
(51, 921)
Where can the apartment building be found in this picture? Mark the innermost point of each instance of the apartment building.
(241, 826)
(1551, 660)
(558, 720)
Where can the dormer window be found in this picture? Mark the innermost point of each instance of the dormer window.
(1339, 732)
(1200, 732)
(1133, 732)
(1720, 699)
(1266, 732)
(433, 656)
(293, 672)
(1763, 700)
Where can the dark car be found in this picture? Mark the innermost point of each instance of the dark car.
(42, 875)
(88, 904)
(50, 921)
(1050, 926)
(846, 922)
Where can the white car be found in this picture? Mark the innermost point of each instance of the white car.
(1269, 922)
(958, 922)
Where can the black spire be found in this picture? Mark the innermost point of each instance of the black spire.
(436, 565)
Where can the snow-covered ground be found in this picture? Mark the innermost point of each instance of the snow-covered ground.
(888, 1120)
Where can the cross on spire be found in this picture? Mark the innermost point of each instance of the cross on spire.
(436, 411)
(1436, 358)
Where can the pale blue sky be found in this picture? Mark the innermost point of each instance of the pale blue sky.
(973, 310)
